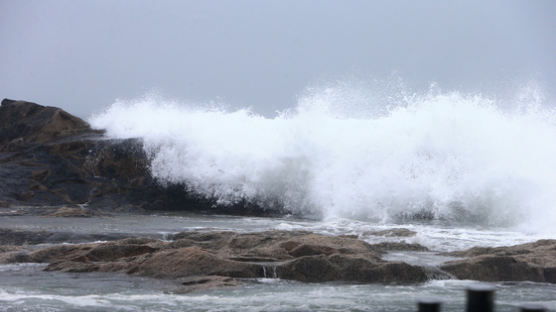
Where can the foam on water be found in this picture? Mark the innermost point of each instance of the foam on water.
(277, 296)
(456, 157)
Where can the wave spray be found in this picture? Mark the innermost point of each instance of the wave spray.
(450, 156)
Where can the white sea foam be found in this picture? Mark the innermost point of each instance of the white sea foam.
(463, 158)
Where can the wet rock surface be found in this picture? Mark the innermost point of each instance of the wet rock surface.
(50, 158)
(526, 262)
(301, 256)
(206, 282)
(25, 123)
(74, 212)
(396, 232)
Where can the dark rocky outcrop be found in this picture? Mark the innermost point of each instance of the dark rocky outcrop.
(301, 256)
(526, 262)
(24, 123)
(51, 158)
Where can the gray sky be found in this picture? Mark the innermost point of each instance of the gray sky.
(81, 55)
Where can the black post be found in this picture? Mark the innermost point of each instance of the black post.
(532, 308)
(480, 298)
(428, 305)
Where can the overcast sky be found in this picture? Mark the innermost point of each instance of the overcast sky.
(82, 55)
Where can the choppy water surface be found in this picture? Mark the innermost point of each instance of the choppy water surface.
(434, 235)
(461, 157)
(27, 288)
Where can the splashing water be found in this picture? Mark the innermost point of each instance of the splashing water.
(460, 158)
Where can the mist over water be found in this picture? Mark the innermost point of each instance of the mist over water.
(462, 158)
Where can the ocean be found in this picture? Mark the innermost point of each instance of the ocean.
(460, 170)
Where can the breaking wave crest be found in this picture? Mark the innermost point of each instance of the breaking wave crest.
(451, 156)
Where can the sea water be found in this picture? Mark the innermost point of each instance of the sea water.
(25, 287)
(460, 170)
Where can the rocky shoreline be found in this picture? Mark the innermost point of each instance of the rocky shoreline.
(208, 257)
(201, 260)
(53, 164)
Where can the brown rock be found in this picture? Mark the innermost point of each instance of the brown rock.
(32, 123)
(40, 175)
(396, 232)
(7, 248)
(191, 261)
(494, 268)
(25, 195)
(526, 262)
(202, 283)
(311, 250)
(97, 252)
(72, 266)
(359, 268)
(398, 246)
(302, 256)
(13, 254)
(114, 251)
(15, 257)
(316, 268)
(74, 212)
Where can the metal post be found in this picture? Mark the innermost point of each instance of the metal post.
(480, 298)
(532, 308)
(428, 305)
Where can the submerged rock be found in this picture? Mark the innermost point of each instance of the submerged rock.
(526, 262)
(396, 232)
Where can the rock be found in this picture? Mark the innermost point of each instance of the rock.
(97, 252)
(117, 250)
(7, 248)
(396, 232)
(494, 268)
(72, 266)
(526, 262)
(4, 204)
(311, 250)
(17, 237)
(15, 257)
(301, 256)
(50, 158)
(13, 254)
(27, 123)
(189, 261)
(358, 268)
(398, 246)
(202, 283)
(75, 212)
